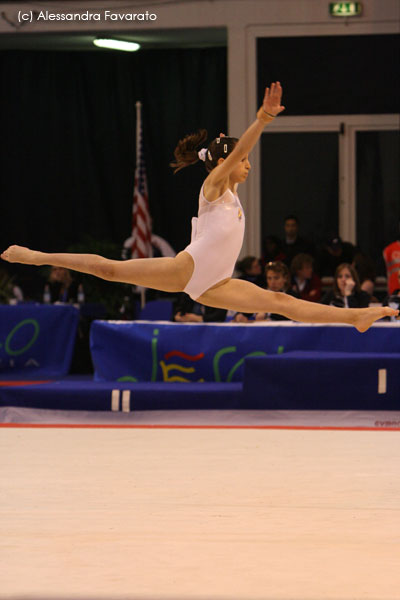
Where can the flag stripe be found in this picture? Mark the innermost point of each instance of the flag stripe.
(141, 222)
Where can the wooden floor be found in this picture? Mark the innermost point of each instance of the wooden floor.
(205, 514)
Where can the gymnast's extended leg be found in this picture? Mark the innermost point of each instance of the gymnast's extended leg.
(165, 274)
(242, 296)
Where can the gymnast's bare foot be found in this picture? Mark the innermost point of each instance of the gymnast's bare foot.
(366, 316)
(19, 254)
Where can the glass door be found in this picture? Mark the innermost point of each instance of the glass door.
(338, 174)
(377, 191)
(300, 175)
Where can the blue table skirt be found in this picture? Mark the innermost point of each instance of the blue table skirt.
(36, 340)
(164, 351)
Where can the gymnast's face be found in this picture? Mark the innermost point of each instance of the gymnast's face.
(275, 281)
(241, 171)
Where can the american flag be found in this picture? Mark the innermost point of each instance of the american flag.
(141, 223)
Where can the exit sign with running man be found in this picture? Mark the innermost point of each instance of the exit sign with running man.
(345, 9)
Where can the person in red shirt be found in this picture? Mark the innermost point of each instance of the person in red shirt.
(391, 255)
(305, 282)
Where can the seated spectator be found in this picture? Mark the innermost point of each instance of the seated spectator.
(249, 269)
(346, 292)
(393, 299)
(272, 249)
(332, 254)
(10, 292)
(187, 310)
(305, 282)
(391, 256)
(365, 267)
(278, 280)
(294, 244)
(60, 286)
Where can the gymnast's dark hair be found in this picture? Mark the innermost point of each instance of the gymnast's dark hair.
(186, 152)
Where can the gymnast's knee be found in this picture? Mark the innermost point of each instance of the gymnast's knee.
(276, 299)
(105, 268)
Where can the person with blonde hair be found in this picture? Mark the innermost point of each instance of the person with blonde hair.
(204, 268)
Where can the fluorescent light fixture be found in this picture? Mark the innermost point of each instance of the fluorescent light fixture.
(116, 45)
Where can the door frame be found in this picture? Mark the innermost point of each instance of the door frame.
(347, 181)
(346, 126)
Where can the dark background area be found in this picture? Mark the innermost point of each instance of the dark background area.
(299, 175)
(67, 150)
(67, 134)
(333, 75)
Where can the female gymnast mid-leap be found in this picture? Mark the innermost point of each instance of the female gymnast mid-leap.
(204, 269)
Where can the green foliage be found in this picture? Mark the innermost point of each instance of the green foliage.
(6, 287)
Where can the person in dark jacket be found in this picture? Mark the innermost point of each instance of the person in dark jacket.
(346, 292)
(187, 310)
(293, 243)
(249, 269)
(332, 254)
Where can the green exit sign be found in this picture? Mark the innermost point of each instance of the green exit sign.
(345, 9)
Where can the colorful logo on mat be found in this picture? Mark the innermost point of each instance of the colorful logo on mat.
(174, 371)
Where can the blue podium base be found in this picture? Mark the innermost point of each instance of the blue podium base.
(82, 393)
(291, 381)
(323, 380)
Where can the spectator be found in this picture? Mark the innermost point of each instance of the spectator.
(278, 280)
(249, 269)
(334, 253)
(305, 282)
(60, 286)
(391, 255)
(365, 267)
(272, 249)
(294, 244)
(346, 292)
(393, 300)
(9, 292)
(187, 310)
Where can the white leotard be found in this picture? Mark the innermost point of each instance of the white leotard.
(217, 238)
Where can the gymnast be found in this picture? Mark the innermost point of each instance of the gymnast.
(204, 269)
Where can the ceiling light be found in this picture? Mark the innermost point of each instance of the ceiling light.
(116, 45)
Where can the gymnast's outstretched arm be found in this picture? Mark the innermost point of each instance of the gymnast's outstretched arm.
(217, 180)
